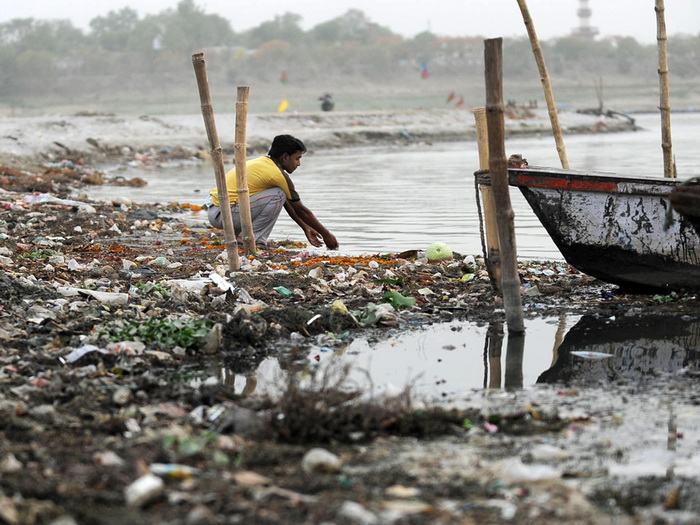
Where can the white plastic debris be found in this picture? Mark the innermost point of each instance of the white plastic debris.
(38, 314)
(9, 464)
(190, 285)
(68, 291)
(74, 265)
(108, 459)
(77, 353)
(43, 198)
(127, 264)
(223, 284)
(108, 298)
(159, 261)
(144, 490)
(356, 513)
(320, 460)
(316, 273)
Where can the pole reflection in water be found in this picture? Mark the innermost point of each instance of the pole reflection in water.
(492, 366)
(514, 361)
(448, 361)
(514, 358)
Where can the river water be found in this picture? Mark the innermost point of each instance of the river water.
(391, 199)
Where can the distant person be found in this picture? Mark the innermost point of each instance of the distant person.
(271, 187)
(327, 103)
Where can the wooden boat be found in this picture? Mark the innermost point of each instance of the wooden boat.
(618, 229)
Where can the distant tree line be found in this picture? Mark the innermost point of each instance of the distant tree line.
(121, 50)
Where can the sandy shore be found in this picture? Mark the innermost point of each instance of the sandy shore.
(101, 138)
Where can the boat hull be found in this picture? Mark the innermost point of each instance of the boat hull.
(618, 229)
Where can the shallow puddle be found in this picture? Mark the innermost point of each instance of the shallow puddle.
(447, 361)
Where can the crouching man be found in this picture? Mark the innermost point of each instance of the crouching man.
(270, 188)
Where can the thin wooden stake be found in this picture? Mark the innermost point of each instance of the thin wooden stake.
(546, 85)
(493, 255)
(200, 70)
(665, 99)
(499, 182)
(239, 147)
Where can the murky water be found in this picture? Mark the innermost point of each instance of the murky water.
(440, 362)
(445, 361)
(390, 199)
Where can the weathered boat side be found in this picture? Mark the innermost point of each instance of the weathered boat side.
(616, 228)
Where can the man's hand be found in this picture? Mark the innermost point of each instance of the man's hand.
(314, 237)
(311, 225)
(331, 241)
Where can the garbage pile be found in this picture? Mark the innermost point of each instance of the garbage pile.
(116, 319)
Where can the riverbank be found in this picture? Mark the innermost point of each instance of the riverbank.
(129, 356)
(99, 139)
(118, 321)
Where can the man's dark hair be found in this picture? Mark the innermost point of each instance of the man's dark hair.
(282, 144)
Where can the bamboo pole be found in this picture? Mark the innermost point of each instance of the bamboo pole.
(200, 70)
(546, 85)
(510, 282)
(665, 103)
(493, 251)
(239, 147)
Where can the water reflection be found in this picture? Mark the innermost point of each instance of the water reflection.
(448, 360)
(605, 350)
(513, 378)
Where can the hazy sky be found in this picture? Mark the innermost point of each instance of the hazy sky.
(488, 18)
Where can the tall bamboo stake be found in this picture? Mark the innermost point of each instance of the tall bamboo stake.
(200, 70)
(546, 85)
(239, 147)
(493, 255)
(665, 103)
(499, 182)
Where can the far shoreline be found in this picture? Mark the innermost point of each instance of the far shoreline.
(92, 139)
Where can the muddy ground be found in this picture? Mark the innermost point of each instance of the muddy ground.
(114, 315)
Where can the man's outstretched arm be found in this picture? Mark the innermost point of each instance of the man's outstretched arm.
(313, 229)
